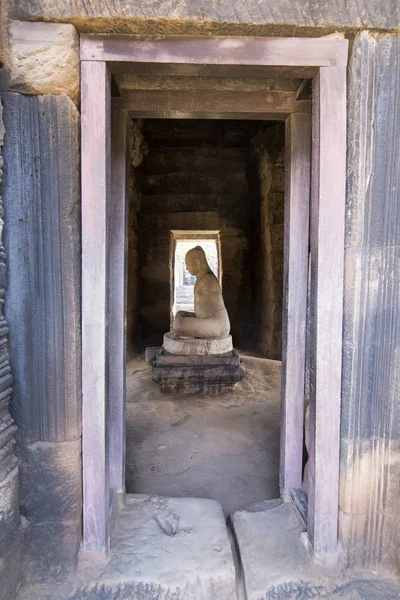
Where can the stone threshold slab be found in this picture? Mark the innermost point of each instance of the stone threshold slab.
(275, 560)
(162, 548)
(276, 564)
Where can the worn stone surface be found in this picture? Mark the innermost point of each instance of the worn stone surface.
(274, 530)
(146, 81)
(137, 149)
(211, 14)
(51, 501)
(9, 510)
(51, 550)
(195, 346)
(201, 379)
(359, 477)
(42, 239)
(10, 537)
(184, 553)
(44, 59)
(46, 591)
(372, 215)
(164, 358)
(368, 590)
(51, 481)
(266, 178)
(12, 566)
(370, 448)
(12, 557)
(3, 36)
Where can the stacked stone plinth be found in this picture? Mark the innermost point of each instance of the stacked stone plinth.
(195, 365)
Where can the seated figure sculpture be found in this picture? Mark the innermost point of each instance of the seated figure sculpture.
(198, 356)
(210, 318)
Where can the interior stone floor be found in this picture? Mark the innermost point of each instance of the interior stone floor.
(222, 447)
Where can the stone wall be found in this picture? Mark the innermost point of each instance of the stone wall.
(214, 17)
(194, 178)
(43, 59)
(370, 445)
(266, 177)
(42, 239)
(137, 149)
(11, 565)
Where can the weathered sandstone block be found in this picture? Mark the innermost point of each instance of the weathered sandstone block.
(11, 565)
(52, 548)
(42, 241)
(214, 14)
(51, 481)
(44, 58)
(9, 511)
(370, 416)
(51, 500)
(10, 532)
(184, 553)
(274, 529)
(196, 346)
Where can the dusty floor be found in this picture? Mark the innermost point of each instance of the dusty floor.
(221, 447)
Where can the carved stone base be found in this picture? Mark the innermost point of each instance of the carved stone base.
(210, 374)
(196, 346)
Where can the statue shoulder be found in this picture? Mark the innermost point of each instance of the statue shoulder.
(208, 283)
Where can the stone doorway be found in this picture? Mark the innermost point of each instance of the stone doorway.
(104, 229)
(222, 181)
(182, 282)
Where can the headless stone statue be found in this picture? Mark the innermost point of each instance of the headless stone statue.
(198, 340)
(210, 318)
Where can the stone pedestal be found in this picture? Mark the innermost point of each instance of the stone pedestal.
(174, 344)
(191, 373)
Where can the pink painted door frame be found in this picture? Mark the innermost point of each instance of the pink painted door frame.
(319, 142)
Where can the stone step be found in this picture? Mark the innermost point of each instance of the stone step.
(276, 562)
(163, 548)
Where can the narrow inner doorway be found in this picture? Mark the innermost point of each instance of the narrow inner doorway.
(182, 282)
(224, 177)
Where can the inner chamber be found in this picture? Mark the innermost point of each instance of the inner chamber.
(219, 182)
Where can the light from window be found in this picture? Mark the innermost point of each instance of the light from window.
(183, 280)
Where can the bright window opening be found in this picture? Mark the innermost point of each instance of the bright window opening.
(183, 280)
